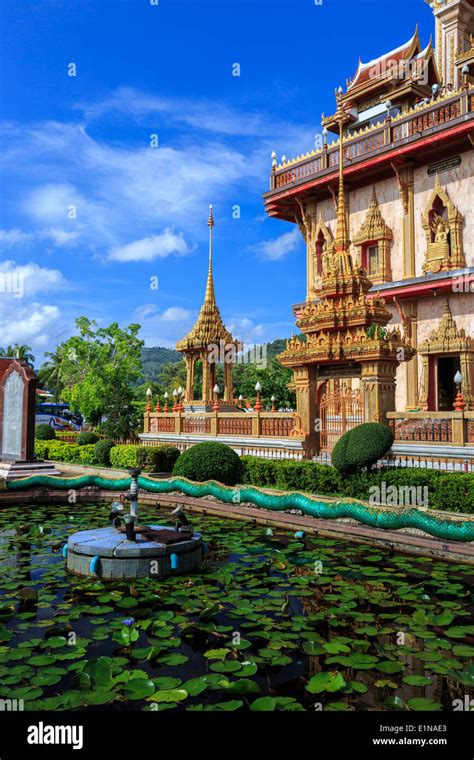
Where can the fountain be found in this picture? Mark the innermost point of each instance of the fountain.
(126, 550)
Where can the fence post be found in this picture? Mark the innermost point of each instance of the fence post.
(459, 429)
(215, 423)
(256, 425)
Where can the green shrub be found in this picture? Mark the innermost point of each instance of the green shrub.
(124, 456)
(42, 449)
(87, 454)
(44, 432)
(452, 491)
(362, 447)
(86, 438)
(157, 458)
(210, 461)
(102, 452)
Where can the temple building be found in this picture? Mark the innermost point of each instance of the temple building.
(204, 346)
(390, 198)
(385, 326)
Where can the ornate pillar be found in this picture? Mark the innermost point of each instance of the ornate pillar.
(378, 388)
(190, 360)
(206, 379)
(406, 181)
(228, 386)
(305, 386)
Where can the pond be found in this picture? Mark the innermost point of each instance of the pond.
(268, 623)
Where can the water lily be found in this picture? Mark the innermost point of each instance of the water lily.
(128, 622)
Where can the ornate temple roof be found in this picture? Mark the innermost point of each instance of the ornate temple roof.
(209, 328)
(366, 71)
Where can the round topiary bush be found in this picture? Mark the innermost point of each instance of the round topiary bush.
(44, 432)
(361, 447)
(210, 461)
(102, 452)
(86, 438)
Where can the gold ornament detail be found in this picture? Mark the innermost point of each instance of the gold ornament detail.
(442, 223)
(375, 231)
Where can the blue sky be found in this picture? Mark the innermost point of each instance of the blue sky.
(141, 211)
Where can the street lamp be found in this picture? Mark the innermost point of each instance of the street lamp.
(258, 403)
(241, 400)
(149, 394)
(459, 402)
(216, 390)
(166, 397)
(180, 401)
(175, 396)
(273, 399)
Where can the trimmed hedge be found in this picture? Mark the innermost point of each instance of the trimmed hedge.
(362, 447)
(157, 458)
(102, 452)
(210, 461)
(149, 458)
(86, 438)
(452, 492)
(44, 432)
(123, 456)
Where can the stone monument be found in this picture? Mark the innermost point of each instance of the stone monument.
(17, 422)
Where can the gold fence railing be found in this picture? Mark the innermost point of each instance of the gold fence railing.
(452, 428)
(250, 424)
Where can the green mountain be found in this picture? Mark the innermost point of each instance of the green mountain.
(153, 360)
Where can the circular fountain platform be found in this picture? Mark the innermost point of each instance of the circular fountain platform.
(158, 551)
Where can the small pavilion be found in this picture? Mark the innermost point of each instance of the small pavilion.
(208, 343)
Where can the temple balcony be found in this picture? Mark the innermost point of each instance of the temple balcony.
(445, 123)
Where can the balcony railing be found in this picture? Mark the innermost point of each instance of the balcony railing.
(389, 134)
(251, 424)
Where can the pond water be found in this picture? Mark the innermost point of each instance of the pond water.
(268, 623)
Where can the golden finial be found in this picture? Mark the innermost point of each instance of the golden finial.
(210, 295)
(342, 241)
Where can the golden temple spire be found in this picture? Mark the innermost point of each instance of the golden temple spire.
(210, 296)
(342, 242)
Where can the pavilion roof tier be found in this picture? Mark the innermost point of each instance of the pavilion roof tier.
(209, 328)
(347, 313)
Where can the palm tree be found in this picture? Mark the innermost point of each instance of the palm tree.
(49, 374)
(19, 352)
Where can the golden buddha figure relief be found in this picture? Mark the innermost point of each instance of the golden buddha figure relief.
(442, 223)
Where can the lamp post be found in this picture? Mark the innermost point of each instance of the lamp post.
(258, 403)
(180, 407)
(215, 405)
(148, 398)
(158, 405)
(175, 402)
(273, 399)
(465, 74)
(241, 400)
(459, 402)
(166, 397)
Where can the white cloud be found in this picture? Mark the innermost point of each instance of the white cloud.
(16, 237)
(175, 314)
(279, 247)
(26, 280)
(150, 248)
(31, 324)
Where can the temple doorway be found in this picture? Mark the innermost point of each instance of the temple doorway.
(341, 408)
(446, 368)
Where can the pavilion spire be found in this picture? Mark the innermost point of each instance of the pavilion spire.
(342, 241)
(210, 297)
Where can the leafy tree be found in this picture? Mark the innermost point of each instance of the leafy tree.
(97, 369)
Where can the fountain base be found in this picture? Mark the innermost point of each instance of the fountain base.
(157, 552)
